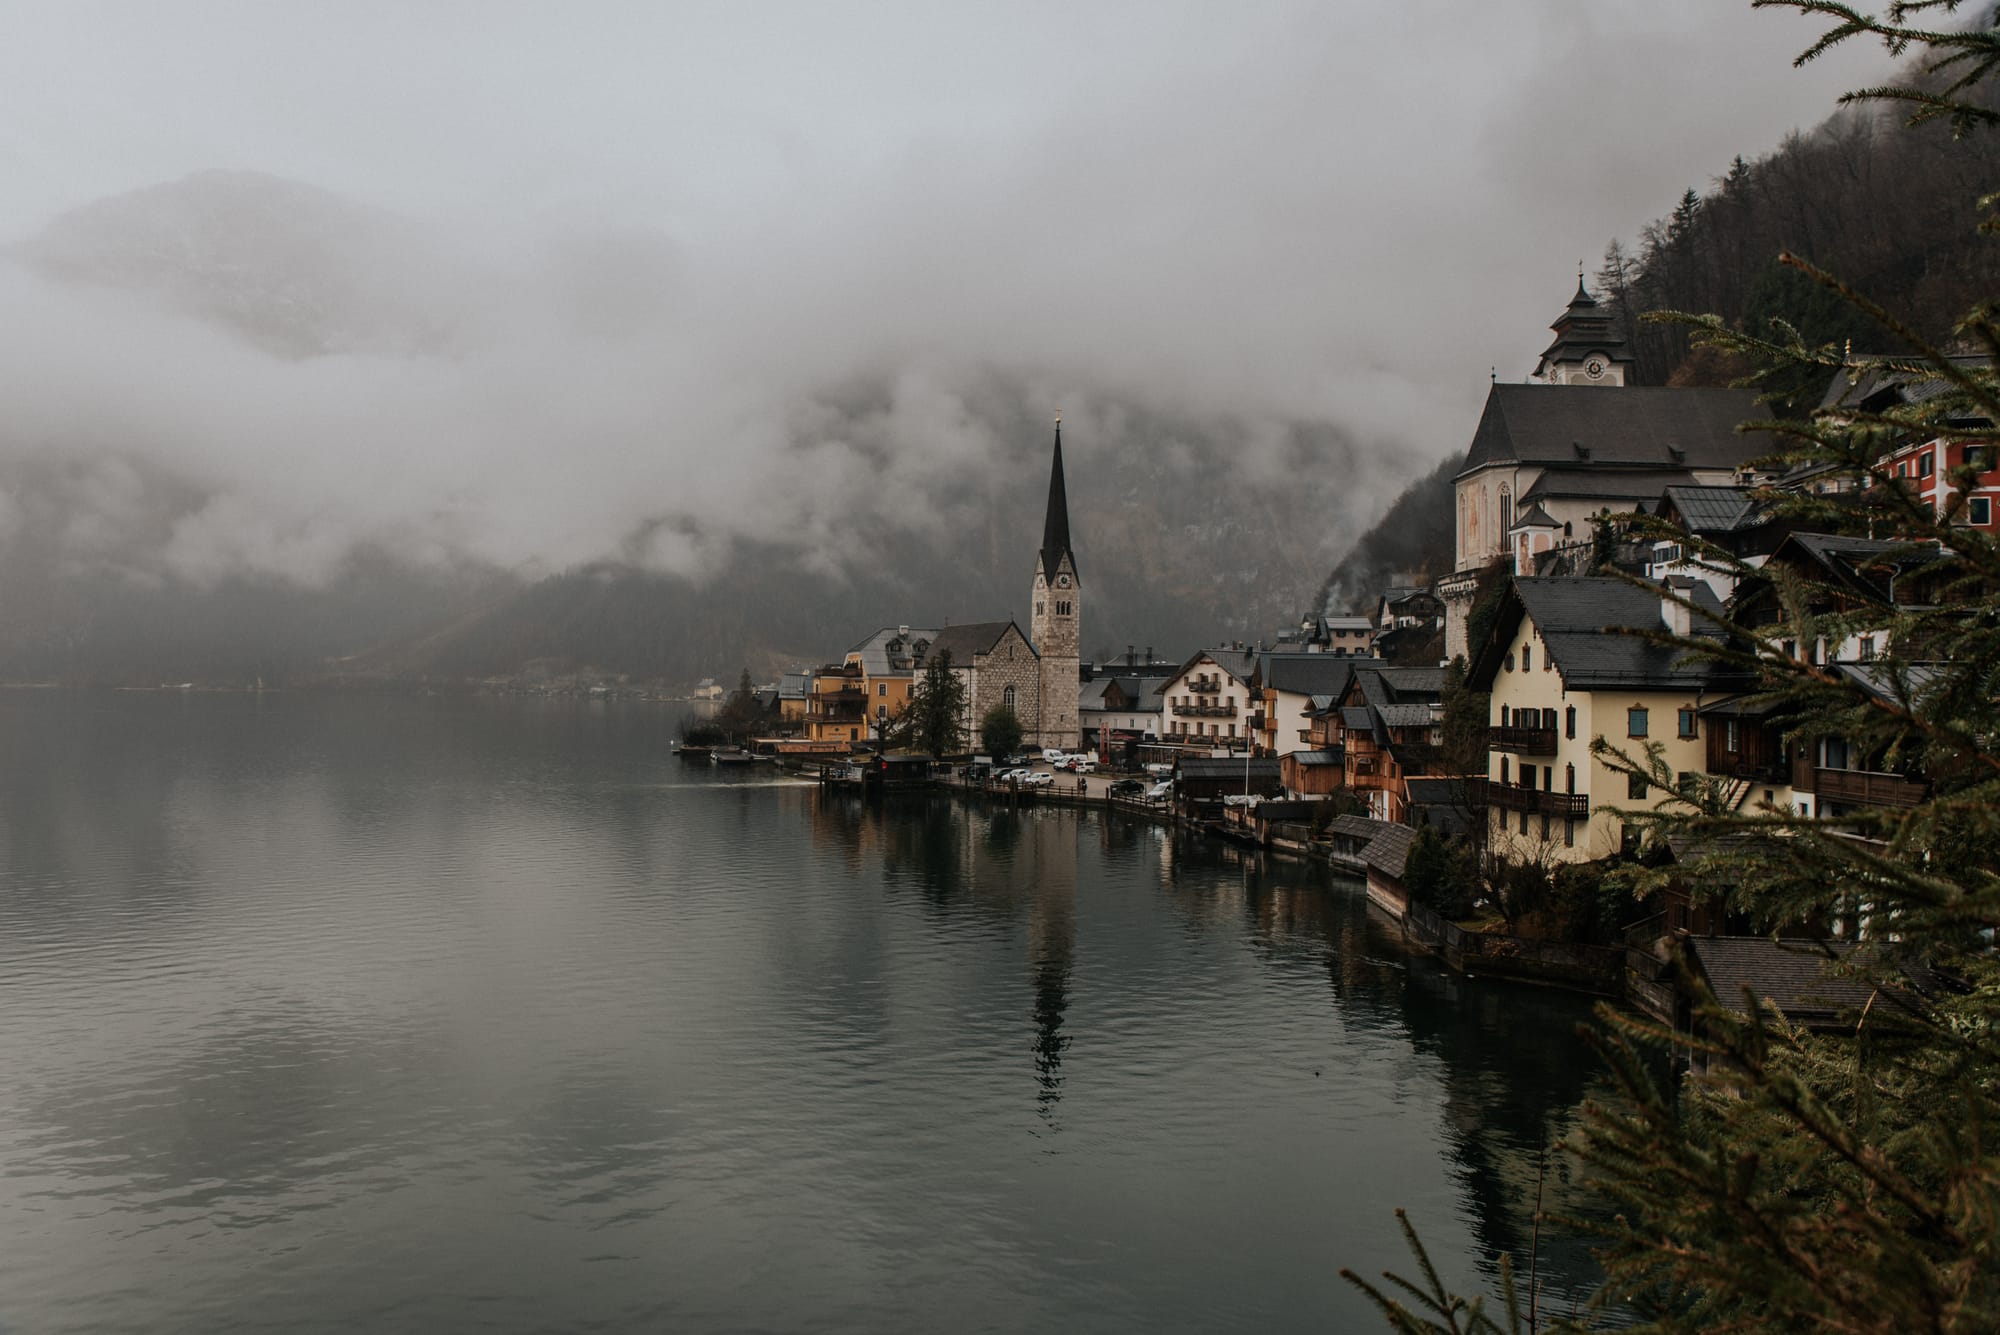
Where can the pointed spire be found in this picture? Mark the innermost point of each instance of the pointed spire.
(1055, 526)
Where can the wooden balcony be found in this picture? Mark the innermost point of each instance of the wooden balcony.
(1561, 806)
(1227, 709)
(1869, 788)
(1522, 741)
(1200, 686)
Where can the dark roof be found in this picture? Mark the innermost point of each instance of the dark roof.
(1359, 718)
(1237, 662)
(1871, 386)
(1357, 827)
(1792, 975)
(1619, 427)
(878, 661)
(1403, 684)
(1389, 850)
(1585, 327)
(1535, 517)
(1306, 674)
(1446, 790)
(1584, 623)
(1589, 484)
(1332, 757)
(1055, 524)
(1414, 715)
(1713, 509)
(1228, 767)
(1866, 564)
(975, 637)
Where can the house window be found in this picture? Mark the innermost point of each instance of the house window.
(1979, 458)
(1730, 738)
(1569, 779)
(1569, 834)
(1527, 775)
(1007, 698)
(1569, 722)
(1867, 648)
(1527, 656)
(1979, 511)
(1508, 661)
(1635, 721)
(1926, 464)
(1503, 771)
(881, 688)
(1687, 722)
(1524, 822)
(1635, 787)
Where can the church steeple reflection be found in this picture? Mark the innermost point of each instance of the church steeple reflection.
(1051, 954)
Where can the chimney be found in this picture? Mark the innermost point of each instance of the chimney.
(1131, 659)
(1679, 620)
(1149, 655)
(903, 631)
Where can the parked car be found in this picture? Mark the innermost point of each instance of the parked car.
(1039, 779)
(1160, 792)
(1016, 760)
(1128, 788)
(1055, 756)
(1160, 771)
(1014, 775)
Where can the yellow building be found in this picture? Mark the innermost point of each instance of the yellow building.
(889, 661)
(836, 706)
(1563, 669)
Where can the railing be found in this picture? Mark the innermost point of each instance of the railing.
(1563, 806)
(1772, 772)
(1227, 709)
(1522, 741)
(1869, 788)
(1201, 686)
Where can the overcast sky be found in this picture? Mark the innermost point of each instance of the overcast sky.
(1318, 211)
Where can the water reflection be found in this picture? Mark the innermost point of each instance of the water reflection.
(342, 1014)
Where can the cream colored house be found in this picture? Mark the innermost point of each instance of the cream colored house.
(1210, 701)
(1561, 673)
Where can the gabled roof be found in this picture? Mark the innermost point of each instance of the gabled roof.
(1535, 517)
(1871, 387)
(1389, 851)
(1584, 623)
(1792, 975)
(1306, 674)
(1237, 662)
(965, 642)
(1616, 427)
(1867, 565)
(1587, 484)
(1712, 509)
(1331, 756)
(1407, 716)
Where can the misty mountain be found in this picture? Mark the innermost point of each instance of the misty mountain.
(351, 431)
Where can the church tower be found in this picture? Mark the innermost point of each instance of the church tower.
(1588, 350)
(1057, 628)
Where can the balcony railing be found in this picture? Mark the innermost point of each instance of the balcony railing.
(1563, 806)
(1869, 788)
(1522, 741)
(1201, 686)
(1227, 709)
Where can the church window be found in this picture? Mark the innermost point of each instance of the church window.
(1039, 607)
(1007, 698)
(1506, 507)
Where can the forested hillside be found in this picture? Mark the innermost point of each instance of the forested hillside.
(1891, 211)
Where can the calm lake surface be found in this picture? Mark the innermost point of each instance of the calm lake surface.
(344, 1014)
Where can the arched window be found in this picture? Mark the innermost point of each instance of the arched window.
(1527, 656)
(1506, 507)
(1007, 698)
(1569, 724)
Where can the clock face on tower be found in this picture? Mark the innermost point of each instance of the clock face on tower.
(1062, 581)
(1594, 368)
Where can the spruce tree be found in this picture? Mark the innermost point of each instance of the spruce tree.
(1846, 1180)
(933, 720)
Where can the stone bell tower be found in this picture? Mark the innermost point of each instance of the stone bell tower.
(1057, 628)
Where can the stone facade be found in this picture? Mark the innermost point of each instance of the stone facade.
(1058, 632)
(1010, 664)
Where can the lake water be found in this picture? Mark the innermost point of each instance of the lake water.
(341, 1014)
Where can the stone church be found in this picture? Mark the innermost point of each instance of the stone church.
(1036, 674)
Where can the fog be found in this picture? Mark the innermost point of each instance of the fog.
(533, 288)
